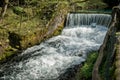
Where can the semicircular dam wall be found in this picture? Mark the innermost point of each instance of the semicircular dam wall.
(50, 59)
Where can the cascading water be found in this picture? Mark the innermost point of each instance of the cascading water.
(51, 58)
(87, 19)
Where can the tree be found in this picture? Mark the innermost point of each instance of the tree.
(4, 8)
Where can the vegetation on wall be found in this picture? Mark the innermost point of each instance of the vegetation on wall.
(85, 72)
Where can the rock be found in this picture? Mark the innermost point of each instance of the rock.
(93, 25)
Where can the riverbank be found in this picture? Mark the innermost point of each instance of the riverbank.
(15, 36)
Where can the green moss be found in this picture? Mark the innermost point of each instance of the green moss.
(85, 71)
(112, 71)
(9, 48)
(2, 57)
(58, 31)
(32, 38)
(20, 32)
(9, 52)
(18, 10)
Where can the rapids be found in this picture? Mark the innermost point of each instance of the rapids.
(52, 57)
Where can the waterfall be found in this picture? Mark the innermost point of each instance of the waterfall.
(50, 59)
(88, 19)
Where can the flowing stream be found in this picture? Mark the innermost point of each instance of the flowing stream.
(83, 33)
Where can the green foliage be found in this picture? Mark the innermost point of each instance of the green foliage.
(86, 70)
(88, 4)
(112, 70)
(92, 57)
(7, 54)
(18, 10)
(32, 2)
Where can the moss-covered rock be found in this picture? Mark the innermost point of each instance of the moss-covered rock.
(21, 35)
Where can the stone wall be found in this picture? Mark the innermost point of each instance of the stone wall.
(107, 51)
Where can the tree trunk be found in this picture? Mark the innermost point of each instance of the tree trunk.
(4, 8)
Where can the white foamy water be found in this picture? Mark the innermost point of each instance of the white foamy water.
(86, 19)
(51, 58)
